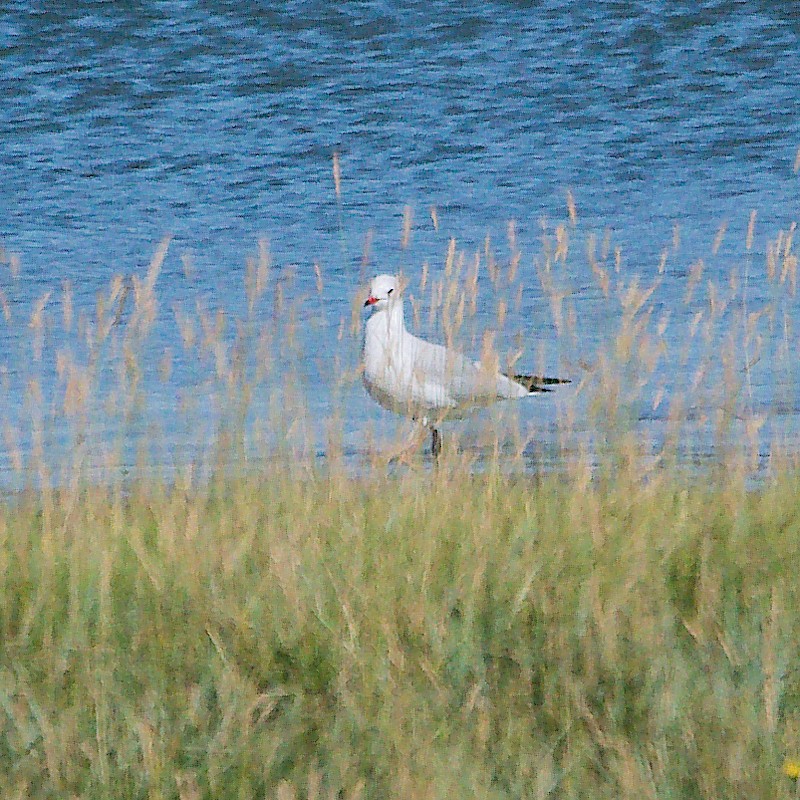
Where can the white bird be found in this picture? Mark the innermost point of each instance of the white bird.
(427, 381)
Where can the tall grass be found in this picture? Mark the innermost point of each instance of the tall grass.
(402, 636)
(194, 603)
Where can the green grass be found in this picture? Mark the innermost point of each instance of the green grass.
(416, 636)
(624, 626)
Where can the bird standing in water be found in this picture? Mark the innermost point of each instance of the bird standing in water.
(424, 381)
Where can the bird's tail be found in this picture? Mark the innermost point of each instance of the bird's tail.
(538, 383)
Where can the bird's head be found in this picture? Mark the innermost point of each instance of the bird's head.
(382, 290)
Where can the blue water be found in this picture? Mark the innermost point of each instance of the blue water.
(121, 123)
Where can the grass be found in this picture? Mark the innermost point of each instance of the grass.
(407, 636)
(620, 625)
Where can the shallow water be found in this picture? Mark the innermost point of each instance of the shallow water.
(121, 123)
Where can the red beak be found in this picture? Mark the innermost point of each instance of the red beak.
(370, 301)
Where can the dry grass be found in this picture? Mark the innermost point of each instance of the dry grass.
(204, 608)
(401, 636)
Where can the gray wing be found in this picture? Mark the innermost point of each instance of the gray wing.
(445, 375)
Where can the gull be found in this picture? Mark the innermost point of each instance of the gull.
(425, 381)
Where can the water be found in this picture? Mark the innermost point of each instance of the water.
(120, 123)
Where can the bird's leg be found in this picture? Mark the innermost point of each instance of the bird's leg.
(436, 443)
(409, 448)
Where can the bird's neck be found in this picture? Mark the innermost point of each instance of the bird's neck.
(388, 323)
(396, 316)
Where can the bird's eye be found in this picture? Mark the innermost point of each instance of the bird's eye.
(390, 291)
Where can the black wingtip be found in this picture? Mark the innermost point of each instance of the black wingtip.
(537, 383)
